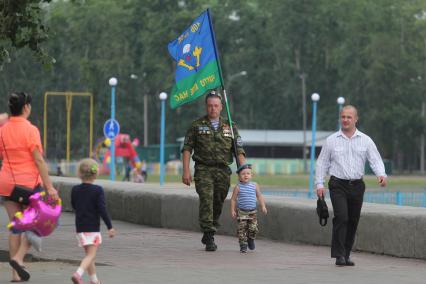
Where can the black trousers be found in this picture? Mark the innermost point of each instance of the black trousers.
(346, 198)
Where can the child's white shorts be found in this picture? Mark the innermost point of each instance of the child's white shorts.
(89, 238)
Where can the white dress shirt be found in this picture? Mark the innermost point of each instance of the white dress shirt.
(345, 157)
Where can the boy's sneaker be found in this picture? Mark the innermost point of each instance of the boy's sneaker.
(76, 279)
(34, 240)
(243, 248)
(250, 243)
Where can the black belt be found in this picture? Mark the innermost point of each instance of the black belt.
(247, 210)
(347, 181)
(213, 164)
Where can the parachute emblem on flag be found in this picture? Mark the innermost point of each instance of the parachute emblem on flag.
(187, 54)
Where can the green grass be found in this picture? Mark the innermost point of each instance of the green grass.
(395, 183)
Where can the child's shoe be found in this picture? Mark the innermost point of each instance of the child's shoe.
(250, 243)
(76, 279)
(243, 248)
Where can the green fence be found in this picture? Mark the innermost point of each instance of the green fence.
(151, 153)
(276, 166)
(388, 168)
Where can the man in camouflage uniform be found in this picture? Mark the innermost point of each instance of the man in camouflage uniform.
(211, 140)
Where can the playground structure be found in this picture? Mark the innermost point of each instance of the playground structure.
(125, 153)
(68, 106)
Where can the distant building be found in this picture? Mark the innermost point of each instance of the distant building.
(278, 144)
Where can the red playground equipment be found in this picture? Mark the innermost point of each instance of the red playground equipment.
(124, 148)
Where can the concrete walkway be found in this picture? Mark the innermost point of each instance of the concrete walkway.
(140, 254)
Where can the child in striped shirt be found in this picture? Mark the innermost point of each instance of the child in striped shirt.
(243, 207)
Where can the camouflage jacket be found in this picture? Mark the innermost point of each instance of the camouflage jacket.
(212, 147)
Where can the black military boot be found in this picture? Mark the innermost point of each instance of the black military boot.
(210, 245)
(204, 238)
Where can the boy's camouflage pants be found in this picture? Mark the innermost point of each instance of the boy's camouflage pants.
(247, 225)
(212, 185)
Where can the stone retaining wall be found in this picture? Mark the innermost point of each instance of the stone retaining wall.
(383, 229)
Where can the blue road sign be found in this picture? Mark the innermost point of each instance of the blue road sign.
(111, 128)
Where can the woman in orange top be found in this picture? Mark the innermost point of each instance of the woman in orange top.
(23, 164)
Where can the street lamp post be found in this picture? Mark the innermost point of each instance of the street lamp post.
(112, 82)
(340, 102)
(230, 79)
(303, 78)
(163, 98)
(315, 98)
(233, 76)
(422, 144)
(145, 119)
(145, 111)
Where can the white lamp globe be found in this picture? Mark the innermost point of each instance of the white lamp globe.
(163, 96)
(315, 97)
(340, 100)
(112, 81)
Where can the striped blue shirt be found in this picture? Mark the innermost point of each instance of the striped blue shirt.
(246, 198)
(215, 124)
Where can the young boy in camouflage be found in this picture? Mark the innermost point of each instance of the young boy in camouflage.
(243, 207)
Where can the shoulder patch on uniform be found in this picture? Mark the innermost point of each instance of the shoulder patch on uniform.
(239, 142)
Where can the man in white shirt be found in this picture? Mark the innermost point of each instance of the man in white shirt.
(343, 157)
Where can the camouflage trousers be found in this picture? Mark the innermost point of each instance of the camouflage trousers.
(247, 225)
(212, 185)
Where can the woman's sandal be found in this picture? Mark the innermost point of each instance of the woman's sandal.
(23, 274)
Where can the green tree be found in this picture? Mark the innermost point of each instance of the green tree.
(372, 52)
(22, 26)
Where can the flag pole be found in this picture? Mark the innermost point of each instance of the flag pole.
(234, 143)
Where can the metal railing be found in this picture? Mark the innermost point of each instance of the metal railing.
(415, 199)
